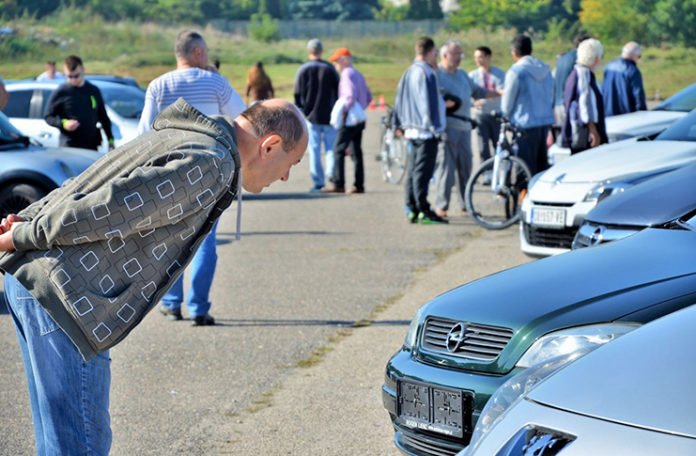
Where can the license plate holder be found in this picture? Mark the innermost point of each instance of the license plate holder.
(551, 217)
(429, 408)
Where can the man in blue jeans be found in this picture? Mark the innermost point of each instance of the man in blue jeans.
(316, 92)
(84, 265)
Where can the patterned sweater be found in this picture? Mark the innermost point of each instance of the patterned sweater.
(100, 251)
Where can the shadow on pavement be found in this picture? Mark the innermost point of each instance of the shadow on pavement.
(3, 305)
(338, 323)
(225, 238)
(284, 196)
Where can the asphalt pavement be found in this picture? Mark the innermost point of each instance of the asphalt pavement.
(310, 304)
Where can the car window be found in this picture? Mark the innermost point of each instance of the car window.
(127, 101)
(684, 100)
(18, 104)
(8, 133)
(682, 130)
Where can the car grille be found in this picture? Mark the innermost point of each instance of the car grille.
(549, 237)
(481, 342)
(427, 447)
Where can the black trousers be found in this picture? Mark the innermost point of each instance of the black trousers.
(421, 165)
(533, 149)
(345, 138)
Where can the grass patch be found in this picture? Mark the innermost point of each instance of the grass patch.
(265, 401)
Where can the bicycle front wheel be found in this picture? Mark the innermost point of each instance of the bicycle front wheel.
(497, 209)
(394, 157)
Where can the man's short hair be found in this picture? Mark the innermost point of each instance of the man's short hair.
(580, 37)
(285, 121)
(72, 62)
(186, 42)
(424, 45)
(314, 46)
(51, 62)
(630, 49)
(485, 50)
(522, 45)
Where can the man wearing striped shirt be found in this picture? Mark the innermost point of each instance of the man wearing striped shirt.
(206, 90)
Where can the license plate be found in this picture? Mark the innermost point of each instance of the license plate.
(433, 409)
(548, 217)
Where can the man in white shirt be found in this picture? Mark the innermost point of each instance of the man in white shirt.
(51, 74)
(206, 90)
(491, 78)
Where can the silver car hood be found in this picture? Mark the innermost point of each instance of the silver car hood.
(644, 379)
(621, 158)
(642, 122)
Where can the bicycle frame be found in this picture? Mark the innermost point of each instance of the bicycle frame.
(503, 149)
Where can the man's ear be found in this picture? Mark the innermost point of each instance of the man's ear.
(270, 143)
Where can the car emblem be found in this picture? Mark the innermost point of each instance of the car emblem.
(558, 180)
(597, 236)
(455, 337)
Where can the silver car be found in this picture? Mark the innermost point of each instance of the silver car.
(29, 99)
(29, 171)
(634, 396)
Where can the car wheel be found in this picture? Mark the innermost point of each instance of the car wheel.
(15, 197)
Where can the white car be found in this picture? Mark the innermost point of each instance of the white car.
(28, 101)
(559, 198)
(641, 123)
(634, 396)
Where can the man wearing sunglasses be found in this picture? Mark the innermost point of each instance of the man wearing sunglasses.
(75, 107)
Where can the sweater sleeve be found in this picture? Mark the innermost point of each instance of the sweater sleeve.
(102, 115)
(149, 197)
(149, 112)
(510, 94)
(54, 110)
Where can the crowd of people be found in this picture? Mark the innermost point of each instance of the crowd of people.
(151, 207)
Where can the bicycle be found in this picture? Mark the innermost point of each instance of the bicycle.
(393, 151)
(494, 193)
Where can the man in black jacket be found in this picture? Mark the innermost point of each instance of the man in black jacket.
(75, 108)
(316, 92)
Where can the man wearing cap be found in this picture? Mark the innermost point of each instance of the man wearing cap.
(352, 89)
(316, 92)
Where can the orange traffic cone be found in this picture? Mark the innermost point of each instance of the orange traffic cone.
(371, 106)
(382, 103)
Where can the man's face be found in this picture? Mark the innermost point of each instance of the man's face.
(453, 57)
(51, 69)
(271, 166)
(481, 59)
(75, 77)
(431, 57)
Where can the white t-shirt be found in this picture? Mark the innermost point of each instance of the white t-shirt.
(206, 91)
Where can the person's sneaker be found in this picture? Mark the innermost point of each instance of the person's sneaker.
(203, 320)
(171, 314)
(315, 189)
(333, 188)
(412, 217)
(430, 218)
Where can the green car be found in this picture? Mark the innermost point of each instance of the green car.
(464, 344)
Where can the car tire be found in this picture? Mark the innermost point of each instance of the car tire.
(17, 196)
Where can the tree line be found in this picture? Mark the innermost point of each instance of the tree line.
(649, 21)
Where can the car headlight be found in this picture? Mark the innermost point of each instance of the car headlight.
(543, 358)
(512, 391)
(412, 333)
(605, 189)
(569, 340)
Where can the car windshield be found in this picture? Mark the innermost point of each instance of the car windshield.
(127, 101)
(682, 130)
(684, 100)
(9, 134)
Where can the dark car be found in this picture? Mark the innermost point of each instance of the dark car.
(466, 343)
(664, 201)
(124, 80)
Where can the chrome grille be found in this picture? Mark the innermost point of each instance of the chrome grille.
(481, 342)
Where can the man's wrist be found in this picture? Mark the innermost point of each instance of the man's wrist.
(64, 122)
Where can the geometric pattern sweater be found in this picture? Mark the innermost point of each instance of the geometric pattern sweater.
(100, 251)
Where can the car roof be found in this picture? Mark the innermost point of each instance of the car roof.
(25, 84)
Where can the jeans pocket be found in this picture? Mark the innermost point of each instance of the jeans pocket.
(40, 317)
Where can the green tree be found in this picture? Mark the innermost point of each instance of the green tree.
(519, 14)
(617, 20)
(388, 11)
(425, 9)
(331, 9)
(674, 20)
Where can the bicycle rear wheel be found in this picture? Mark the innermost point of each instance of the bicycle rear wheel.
(501, 209)
(394, 156)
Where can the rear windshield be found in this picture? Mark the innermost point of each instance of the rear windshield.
(127, 101)
(684, 100)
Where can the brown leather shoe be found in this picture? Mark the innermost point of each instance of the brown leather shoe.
(355, 189)
(332, 188)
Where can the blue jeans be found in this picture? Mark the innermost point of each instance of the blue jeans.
(202, 270)
(316, 134)
(69, 397)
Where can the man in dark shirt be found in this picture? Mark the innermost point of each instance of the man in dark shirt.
(75, 108)
(622, 87)
(316, 92)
